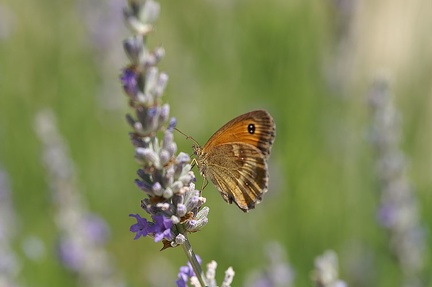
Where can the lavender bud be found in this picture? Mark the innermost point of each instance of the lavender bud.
(202, 214)
(211, 271)
(164, 114)
(133, 47)
(163, 206)
(175, 219)
(157, 189)
(229, 276)
(167, 139)
(180, 239)
(187, 178)
(172, 148)
(182, 158)
(134, 24)
(143, 99)
(164, 156)
(149, 12)
(160, 85)
(138, 127)
(146, 156)
(177, 199)
(129, 79)
(181, 210)
(143, 186)
(176, 186)
(167, 193)
(172, 123)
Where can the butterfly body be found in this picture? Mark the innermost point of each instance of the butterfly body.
(235, 158)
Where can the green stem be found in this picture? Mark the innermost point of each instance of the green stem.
(187, 248)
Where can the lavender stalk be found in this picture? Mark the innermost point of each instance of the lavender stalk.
(171, 200)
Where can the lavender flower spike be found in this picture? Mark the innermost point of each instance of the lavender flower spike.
(326, 271)
(174, 206)
(81, 234)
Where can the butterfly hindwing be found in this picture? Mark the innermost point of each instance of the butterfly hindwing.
(239, 171)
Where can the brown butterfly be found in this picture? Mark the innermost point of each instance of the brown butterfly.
(235, 158)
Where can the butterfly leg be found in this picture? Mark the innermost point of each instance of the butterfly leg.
(204, 184)
(193, 163)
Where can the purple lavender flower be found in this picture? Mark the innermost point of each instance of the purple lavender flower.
(162, 228)
(159, 229)
(141, 228)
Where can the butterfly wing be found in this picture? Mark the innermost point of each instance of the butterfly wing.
(256, 128)
(239, 171)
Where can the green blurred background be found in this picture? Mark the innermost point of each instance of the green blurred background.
(309, 63)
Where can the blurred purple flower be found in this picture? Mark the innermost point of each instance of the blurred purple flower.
(96, 228)
(399, 211)
(70, 254)
(82, 233)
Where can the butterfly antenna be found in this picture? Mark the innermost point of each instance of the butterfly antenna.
(187, 137)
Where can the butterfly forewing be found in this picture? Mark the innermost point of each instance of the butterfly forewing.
(256, 128)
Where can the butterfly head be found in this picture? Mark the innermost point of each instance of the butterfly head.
(197, 149)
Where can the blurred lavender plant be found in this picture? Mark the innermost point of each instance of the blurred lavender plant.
(326, 271)
(277, 273)
(82, 234)
(9, 265)
(103, 24)
(172, 202)
(398, 212)
(187, 273)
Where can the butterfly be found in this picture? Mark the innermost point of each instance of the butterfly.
(235, 158)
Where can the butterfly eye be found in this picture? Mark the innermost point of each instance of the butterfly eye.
(251, 129)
